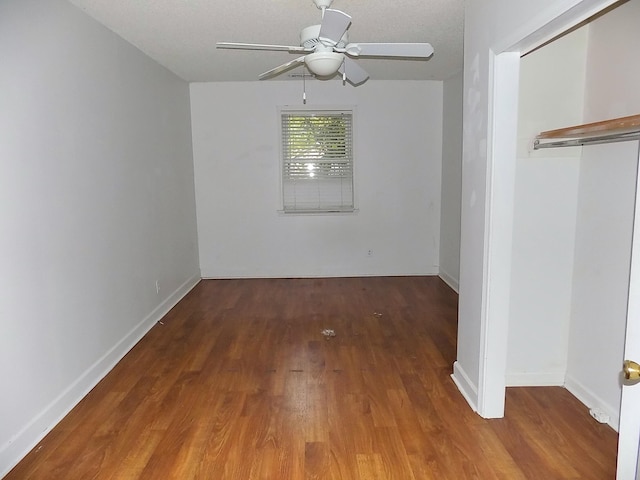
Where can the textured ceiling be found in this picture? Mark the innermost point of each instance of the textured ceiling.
(182, 34)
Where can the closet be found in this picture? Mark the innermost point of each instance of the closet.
(574, 209)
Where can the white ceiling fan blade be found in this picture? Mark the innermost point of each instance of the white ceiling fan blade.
(416, 50)
(355, 73)
(282, 68)
(260, 46)
(334, 24)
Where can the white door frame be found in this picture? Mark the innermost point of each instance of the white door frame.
(499, 226)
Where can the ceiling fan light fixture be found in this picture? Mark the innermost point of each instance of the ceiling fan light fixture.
(324, 64)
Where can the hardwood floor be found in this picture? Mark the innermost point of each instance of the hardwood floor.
(238, 382)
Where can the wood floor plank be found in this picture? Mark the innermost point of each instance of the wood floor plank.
(239, 382)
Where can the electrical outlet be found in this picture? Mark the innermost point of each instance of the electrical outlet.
(157, 286)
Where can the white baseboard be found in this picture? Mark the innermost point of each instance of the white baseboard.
(545, 379)
(449, 280)
(32, 433)
(592, 401)
(465, 385)
(228, 275)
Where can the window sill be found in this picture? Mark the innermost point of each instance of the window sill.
(293, 213)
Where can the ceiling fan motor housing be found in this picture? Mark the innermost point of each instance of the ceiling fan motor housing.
(310, 37)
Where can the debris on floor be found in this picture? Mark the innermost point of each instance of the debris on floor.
(328, 333)
(600, 415)
(377, 314)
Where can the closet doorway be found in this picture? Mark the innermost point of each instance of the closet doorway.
(572, 282)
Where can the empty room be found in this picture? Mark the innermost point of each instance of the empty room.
(319, 239)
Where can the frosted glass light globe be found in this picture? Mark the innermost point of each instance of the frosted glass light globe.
(324, 64)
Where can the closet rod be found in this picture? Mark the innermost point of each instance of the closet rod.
(608, 131)
(576, 142)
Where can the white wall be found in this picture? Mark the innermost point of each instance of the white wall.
(486, 23)
(451, 181)
(612, 72)
(96, 203)
(552, 86)
(398, 145)
(605, 215)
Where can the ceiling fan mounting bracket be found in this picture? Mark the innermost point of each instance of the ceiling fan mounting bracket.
(322, 4)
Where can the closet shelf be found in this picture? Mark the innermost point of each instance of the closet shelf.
(607, 131)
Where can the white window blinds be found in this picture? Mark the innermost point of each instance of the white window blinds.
(317, 161)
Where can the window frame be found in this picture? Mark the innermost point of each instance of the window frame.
(320, 110)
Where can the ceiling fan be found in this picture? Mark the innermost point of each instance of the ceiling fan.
(327, 49)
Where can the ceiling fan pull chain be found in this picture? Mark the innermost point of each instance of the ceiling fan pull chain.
(304, 88)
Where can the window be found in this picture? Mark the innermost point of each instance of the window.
(317, 161)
